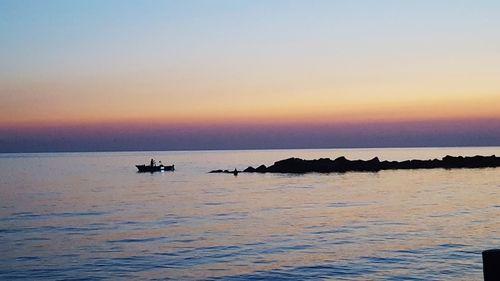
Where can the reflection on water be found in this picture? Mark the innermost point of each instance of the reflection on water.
(79, 215)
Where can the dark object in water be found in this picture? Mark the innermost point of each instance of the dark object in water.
(342, 165)
(234, 172)
(491, 265)
(151, 169)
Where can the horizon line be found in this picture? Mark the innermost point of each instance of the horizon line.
(253, 149)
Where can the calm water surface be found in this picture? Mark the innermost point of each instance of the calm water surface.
(91, 215)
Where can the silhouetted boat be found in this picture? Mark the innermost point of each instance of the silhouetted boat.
(151, 169)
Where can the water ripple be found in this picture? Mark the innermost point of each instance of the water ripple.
(100, 220)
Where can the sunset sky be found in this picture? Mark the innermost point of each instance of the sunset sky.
(160, 75)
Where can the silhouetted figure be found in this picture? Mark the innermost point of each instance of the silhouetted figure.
(153, 163)
(491, 265)
(159, 162)
(235, 172)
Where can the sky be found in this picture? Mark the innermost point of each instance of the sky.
(180, 75)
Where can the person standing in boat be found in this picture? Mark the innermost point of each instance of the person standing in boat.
(153, 163)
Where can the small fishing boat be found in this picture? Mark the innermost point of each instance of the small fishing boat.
(154, 168)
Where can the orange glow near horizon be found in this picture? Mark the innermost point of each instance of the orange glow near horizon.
(346, 111)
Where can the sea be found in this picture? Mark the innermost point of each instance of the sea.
(92, 216)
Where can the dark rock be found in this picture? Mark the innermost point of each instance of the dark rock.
(249, 170)
(342, 164)
(234, 172)
(261, 169)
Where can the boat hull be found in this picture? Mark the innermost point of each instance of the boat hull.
(152, 169)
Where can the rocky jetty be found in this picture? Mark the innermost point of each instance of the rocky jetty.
(234, 172)
(342, 164)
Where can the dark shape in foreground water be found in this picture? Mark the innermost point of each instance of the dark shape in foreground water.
(491, 264)
(342, 164)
